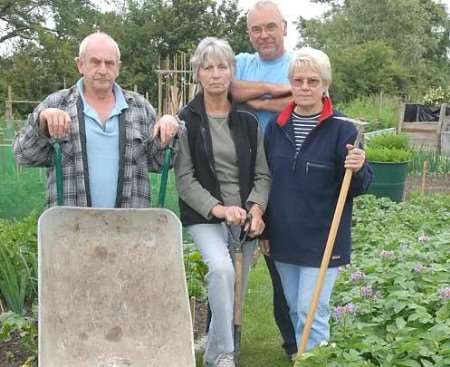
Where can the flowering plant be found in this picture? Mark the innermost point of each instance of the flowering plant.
(436, 96)
(392, 305)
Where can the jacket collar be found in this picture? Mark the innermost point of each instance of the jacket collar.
(327, 112)
(198, 103)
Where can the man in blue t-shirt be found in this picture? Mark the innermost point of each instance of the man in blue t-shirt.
(261, 80)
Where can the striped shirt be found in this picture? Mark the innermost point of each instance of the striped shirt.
(302, 127)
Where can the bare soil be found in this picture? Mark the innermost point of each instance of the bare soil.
(432, 184)
(12, 353)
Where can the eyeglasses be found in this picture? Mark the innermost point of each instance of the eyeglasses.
(269, 28)
(310, 82)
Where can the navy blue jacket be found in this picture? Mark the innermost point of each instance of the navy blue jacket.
(305, 189)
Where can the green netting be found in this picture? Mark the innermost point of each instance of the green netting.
(22, 189)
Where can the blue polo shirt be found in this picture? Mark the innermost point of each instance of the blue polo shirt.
(251, 67)
(102, 148)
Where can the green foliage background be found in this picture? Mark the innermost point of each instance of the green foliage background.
(42, 59)
(393, 47)
(396, 47)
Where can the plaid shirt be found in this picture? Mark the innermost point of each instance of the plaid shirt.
(139, 153)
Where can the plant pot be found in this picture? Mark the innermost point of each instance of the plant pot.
(389, 179)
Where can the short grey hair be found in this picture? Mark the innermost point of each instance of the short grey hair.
(262, 4)
(313, 58)
(212, 48)
(84, 43)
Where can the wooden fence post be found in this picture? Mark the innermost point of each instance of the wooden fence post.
(424, 177)
(8, 109)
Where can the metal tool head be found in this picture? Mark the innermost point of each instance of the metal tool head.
(359, 124)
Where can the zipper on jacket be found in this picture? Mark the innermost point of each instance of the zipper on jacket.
(205, 147)
(294, 163)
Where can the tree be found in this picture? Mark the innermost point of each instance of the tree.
(158, 28)
(416, 31)
(21, 18)
(43, 59)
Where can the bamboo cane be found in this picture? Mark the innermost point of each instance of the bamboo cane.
(326, 256)
(424, 177)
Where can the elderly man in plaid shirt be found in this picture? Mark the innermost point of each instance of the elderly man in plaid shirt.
(109, 137)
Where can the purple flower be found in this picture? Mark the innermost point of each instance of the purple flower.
(351, 308)
(444, 293)
(367, 291)
(387, 254)
(418, 268)
(423, 238)
(357, 276)
(341, 311)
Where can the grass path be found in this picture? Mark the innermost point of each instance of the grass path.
(261, 342)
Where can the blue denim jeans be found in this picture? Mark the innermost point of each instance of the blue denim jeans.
(298, 285)
(212, 242)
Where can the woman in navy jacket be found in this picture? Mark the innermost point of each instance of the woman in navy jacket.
(308, 148)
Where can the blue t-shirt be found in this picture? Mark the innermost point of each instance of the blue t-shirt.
(102, 150)
(251, 67)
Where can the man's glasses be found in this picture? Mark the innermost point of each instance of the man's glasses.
(300, 82)
(269, 28)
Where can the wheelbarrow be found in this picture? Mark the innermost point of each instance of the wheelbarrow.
(112, 288)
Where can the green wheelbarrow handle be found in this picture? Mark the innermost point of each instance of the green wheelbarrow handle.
(165, 173)
(58, 173)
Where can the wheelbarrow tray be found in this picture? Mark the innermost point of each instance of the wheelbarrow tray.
(112, 289)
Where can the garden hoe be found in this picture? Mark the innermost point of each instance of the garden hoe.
(328, 248)
(237, 236)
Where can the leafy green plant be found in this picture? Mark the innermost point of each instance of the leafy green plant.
(18, 263)
(387, 155)
(437, 163)
(381, 112)
(388, 148)
(436, 96)
(196, 271)
(392, 305)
